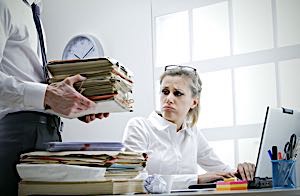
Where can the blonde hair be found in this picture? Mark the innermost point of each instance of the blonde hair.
(195, 86)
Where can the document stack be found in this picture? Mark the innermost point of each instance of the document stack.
(108, 83)
(80, 172)
(84, 146)
(99, 187)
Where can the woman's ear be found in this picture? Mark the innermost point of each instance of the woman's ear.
(195, 103)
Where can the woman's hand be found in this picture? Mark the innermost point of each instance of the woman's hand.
(212, 176)
(246, 171)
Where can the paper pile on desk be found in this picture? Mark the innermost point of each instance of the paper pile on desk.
(106, 187)
(84, 146)
(59, 172)
(108, 83)
(118, 164)
(81, 171)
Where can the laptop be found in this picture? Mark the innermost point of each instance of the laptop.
(279, 125)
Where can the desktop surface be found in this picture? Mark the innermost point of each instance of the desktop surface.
(249, 192)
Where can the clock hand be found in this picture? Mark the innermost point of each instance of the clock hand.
(76, 55)
(88, 51)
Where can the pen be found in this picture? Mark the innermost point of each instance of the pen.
(274, 152)
(270, 154)
(279, 156)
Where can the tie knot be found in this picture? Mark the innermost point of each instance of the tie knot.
(35, 9)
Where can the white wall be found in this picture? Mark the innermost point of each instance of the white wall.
(124, 29)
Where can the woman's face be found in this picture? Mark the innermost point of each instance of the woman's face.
(176, 98)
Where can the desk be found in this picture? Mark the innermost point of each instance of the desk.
(250, 192)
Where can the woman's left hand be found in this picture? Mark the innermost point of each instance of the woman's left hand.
(246, 170)
(214, 176)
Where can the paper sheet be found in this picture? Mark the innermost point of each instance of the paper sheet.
(59, 172)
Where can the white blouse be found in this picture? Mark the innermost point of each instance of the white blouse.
(171, 152)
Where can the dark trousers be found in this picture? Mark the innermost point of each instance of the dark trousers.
(22, 132)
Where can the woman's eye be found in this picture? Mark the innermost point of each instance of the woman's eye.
(177, 93)
(165, 91)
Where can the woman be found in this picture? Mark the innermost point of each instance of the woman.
(170, 137)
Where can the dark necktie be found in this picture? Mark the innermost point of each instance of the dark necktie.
(36, 16)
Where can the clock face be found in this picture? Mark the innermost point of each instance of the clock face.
(83, 47)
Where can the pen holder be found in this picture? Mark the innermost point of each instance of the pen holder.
(284, 174)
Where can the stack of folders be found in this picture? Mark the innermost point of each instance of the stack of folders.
(108, 83)
(80, 172)
(87, 146)
(100, 187)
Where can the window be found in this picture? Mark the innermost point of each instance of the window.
(248, 149)
(247, 60)
(216, 112)
(255, 89)
(224, 149)
(211, 31)
(288, 22)
(252, 30)
(172, 35)
(289, 80)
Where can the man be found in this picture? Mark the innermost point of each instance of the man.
(25, 124)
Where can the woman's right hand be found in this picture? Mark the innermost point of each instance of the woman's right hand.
(213, 176)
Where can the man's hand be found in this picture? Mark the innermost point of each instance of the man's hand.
(212, 176)
(246, 171)
(64, 99)
(91, 117)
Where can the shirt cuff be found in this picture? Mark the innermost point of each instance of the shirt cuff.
(34, 95)
(183, 181)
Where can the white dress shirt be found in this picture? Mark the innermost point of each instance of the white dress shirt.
(20, 59)
(171, 152)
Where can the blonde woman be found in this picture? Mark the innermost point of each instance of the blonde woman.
(170, 137)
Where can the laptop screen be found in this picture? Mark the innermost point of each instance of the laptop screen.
(279, 125)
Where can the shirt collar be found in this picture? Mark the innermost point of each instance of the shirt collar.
(162, 124)
(30, 2)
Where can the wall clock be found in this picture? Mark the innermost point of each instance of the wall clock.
(82, 47)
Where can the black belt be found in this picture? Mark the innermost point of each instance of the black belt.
(32, 117)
